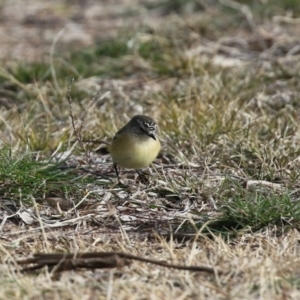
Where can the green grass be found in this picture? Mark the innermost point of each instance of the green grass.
(256, 209)
(31, 73)
(23, 176)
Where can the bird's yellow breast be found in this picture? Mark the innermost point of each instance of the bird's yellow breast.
(132, 151)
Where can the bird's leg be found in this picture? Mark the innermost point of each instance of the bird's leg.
(117, 172)
(142, 177)
(119, 180)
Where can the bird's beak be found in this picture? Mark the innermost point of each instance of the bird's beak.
(152, 134)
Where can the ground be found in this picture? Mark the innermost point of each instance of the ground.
(221, 78)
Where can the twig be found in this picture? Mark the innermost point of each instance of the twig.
(77, 132)
(93, 260)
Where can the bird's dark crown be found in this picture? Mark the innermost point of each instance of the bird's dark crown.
(145, 124)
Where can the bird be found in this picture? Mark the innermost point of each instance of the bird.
(134, 146)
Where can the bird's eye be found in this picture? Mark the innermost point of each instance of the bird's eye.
(151, 126)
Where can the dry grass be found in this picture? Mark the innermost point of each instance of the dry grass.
(222, 81)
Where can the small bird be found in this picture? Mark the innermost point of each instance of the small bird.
(135, 145)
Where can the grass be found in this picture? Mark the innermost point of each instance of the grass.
(256, 209)
(224, 191)
(25, 175)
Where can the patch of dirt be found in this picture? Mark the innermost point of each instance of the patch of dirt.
(28, 28)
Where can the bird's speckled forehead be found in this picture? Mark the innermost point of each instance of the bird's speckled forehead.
(144, 121)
